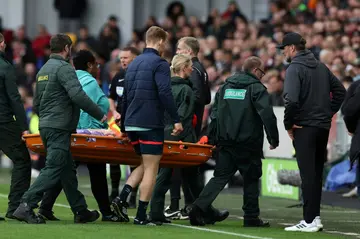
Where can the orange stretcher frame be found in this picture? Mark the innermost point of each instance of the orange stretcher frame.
(115, 150)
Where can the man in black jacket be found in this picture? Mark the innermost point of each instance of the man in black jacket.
(312, 96)
(199, 78)
(240, 112)
(12, 130)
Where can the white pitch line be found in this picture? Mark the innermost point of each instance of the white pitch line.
(184, 226)
(220, 232)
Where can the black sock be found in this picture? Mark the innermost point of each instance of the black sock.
(125, 192)
(174, 206)
(141, 212)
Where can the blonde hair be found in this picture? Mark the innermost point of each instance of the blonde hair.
(179, 62)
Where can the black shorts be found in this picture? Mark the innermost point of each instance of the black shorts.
(147, 142)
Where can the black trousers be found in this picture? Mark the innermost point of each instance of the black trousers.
(164, 181)
(229, 161)
(189, 179)
(310, 145)
(115, 176)
(13, 147)
(99, 188)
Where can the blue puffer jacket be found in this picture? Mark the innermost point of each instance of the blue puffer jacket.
(147, 92)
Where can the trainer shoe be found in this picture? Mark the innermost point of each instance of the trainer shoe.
(317, 220)
(47, 215)
(170, 214)
(302, 226)
(184, 213)
(26, 214)
(146, 222)
(217, 216)
(120, 209)
(196, 216)
(255, 222)
(85, 216)
(111, 218)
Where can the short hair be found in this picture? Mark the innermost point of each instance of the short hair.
(251, 63)
(178, 62)
(154, 34)
(192, 43)
(132, 49)
(58, 43)
(2, 37)
(82, 58)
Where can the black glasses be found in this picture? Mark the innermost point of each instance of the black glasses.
(262, 72)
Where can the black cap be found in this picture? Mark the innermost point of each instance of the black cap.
(291, 38)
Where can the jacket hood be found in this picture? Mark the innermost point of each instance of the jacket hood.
(84, 77)
(176, 80)
(243, 79)
(305, 58)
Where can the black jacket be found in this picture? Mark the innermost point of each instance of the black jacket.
(312, 93)
(117, 89)
(351, 113)
(10, 100)
(200, 82)
(240, 112)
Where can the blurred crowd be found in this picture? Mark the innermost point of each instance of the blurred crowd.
(330, 27)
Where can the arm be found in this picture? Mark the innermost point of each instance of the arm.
(261, 101)
(163, 83)
(197, 86)
(98, 97)
(113, 95)
(123, 109)
(211, 132)
(351, 107)
(291, 96)
(338, 93)
(37, 97)
(350, 121)
(68, 79)
(15, 99)
(186, 108)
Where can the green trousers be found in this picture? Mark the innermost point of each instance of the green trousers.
(12, 145)
(59, 166)
(228, 162)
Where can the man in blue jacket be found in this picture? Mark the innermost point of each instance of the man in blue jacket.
(147, 94)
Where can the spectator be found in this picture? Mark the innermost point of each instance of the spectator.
(70, 13)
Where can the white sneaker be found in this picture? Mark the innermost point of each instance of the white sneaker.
(352, 193)
(173, 215)
(303, 227)
(317, 221)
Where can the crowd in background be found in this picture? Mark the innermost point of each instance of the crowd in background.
(330, 27)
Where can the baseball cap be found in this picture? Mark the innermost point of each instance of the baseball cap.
(291, 38)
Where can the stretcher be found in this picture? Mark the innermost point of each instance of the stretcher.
(115, 150)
